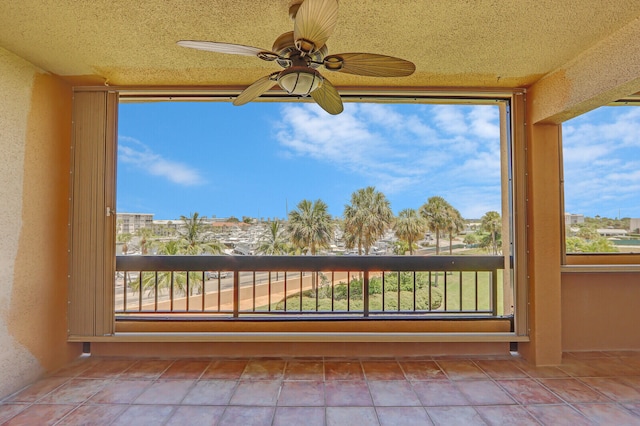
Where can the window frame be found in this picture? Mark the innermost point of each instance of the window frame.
(595, 262)
(513, 180)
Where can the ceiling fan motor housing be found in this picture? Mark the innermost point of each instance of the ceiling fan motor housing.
(285, 46)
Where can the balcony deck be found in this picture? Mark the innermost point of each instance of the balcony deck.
(588, 388)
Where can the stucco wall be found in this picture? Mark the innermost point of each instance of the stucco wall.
(600, 311)
(543, 245)
(35, 123)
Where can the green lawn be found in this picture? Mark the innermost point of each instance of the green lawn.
(454, 283)
(469, 291)
(355, 303)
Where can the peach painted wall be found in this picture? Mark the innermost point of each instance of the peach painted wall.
(600, 311)
(35, 118)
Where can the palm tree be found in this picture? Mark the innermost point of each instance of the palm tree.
(144, 234)
(455, 224)
(366, 218)
(273, 240)
(195, 237)
(193, 240)
(492, 224)
(171, 248)
(436, 212)
(310, 226)
(165, 278)
(409, 227)
(174, 248)
(400, 247)
(124, 239)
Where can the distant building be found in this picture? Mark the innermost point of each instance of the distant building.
(634, 226)
(573, 219)
(132, 222)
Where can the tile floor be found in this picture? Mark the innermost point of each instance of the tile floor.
(588, 388)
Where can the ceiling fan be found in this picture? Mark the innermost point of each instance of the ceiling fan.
(303, 50)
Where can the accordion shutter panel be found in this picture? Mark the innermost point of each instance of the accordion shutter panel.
(92, 221)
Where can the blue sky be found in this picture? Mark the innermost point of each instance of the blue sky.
(601, 152)
(259, 160)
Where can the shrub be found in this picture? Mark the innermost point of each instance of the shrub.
(340, 292)
(375, 285)
(354, 291)
(406, 300)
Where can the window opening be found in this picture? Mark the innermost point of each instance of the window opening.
(601, 156)
(208, 178)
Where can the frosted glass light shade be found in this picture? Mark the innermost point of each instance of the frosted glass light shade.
(300, 80)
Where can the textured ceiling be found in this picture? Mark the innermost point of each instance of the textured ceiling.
(462, 43)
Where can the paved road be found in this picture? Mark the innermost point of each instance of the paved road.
(246, 280)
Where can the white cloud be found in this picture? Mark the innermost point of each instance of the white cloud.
(381, 115)
(393, 184)
(479, 121)
(579, 156)
(135, 153)
(614, 127)
(483, 167)
(343, 140)
(419, 128)
(485, 122)
(450, 119)
(601, 151)
(427, 153)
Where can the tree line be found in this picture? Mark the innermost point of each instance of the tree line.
(310, 228)
(365, 220)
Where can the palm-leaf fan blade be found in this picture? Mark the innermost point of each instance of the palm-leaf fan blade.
(212, 46)
(370, 64)
(256, 89)
(328, 98)
(315, 21)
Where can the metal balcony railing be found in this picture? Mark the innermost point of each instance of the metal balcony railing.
(307, 286)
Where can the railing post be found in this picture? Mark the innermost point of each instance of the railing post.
(494, 292)
(444, 286)
(126, 288)
(155, 296)
(171, 292)
(140, 291)
(236, 293)
(365, 293)
(204, 292)
(187, 295)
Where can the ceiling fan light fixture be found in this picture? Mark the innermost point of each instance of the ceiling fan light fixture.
(300, 80)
